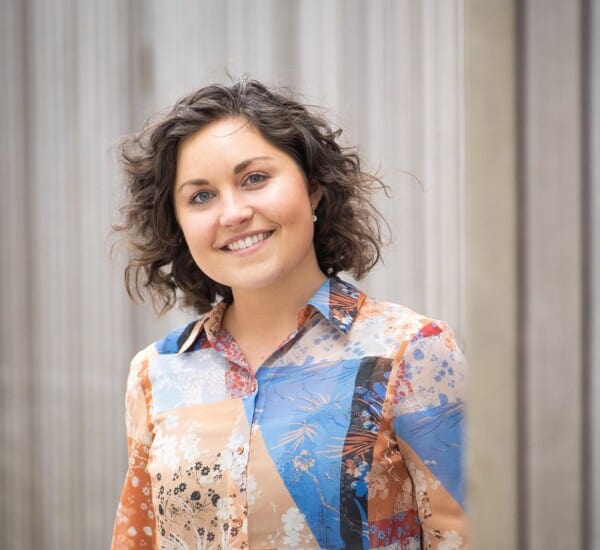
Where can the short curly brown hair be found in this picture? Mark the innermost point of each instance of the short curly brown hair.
(348, 232)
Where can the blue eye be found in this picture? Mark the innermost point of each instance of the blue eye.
(201, 197)
(255, 179)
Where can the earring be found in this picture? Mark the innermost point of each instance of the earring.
(314, 216)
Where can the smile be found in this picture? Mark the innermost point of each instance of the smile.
(247, 242)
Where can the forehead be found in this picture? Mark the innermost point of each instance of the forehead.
(222, 144)
(221, 133)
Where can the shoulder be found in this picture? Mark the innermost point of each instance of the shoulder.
(427, 361)
(404, 324)
(169, 344)
(172, 342)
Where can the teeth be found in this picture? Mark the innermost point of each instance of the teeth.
(247, 242)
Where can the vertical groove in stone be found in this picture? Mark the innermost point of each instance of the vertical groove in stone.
(521, 387)
(592, 12)
(16, 482)
(461, 248)
(586, 477)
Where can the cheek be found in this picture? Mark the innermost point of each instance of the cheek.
(196, 230)
(286, 200)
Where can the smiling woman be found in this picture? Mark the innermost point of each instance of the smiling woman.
(296, 412)
(245, 210)
(347, 229)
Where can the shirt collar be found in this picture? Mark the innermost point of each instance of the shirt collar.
(337, 301)
(210, 322)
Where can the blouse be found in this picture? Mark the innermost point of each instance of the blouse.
(349, 435)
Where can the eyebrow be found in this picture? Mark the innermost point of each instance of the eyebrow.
(198, 182)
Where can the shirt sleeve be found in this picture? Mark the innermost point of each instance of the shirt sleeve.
(428, 423)
(134, 522)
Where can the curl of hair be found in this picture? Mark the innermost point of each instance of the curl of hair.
(348, 231)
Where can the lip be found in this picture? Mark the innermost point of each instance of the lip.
(223, 246)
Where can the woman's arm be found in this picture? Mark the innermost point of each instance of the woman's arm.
(135, 523)
(429, 425)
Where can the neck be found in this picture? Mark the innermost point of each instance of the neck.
(273, 308)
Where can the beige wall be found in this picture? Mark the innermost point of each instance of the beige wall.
(492, 272)
(472, 112)
(533, 272)
(533, 269)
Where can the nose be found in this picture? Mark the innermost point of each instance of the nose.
(235, 210)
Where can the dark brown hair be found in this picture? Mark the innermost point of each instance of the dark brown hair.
(348, 229)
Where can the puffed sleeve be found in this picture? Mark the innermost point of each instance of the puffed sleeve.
(428, 423)
(134, 522)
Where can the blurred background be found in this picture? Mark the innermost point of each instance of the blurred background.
(483, 118)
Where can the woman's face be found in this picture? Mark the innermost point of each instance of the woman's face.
(244, 207)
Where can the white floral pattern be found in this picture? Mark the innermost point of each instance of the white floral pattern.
(452, 541)
(293, 525)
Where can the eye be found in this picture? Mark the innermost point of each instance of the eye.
(255, 179)
(201, 197)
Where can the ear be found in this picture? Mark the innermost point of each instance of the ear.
(316, 192)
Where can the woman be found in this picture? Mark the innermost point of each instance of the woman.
(296, 412)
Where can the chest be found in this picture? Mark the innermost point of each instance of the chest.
(289, 457)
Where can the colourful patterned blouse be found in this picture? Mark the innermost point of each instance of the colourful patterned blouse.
(348, 436)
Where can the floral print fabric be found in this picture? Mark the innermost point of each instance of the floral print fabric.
(348, 436)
